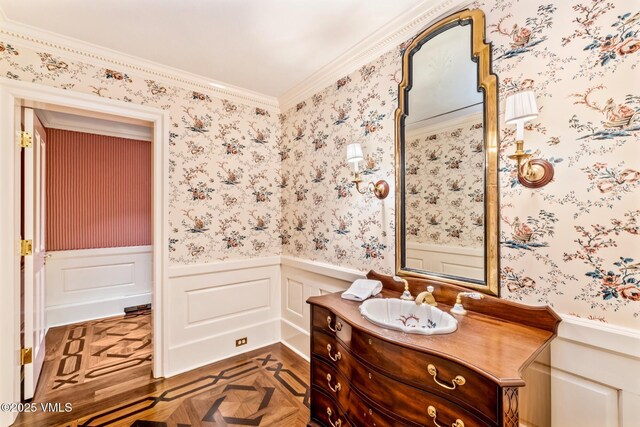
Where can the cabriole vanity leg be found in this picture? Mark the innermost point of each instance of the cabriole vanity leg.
(510, 416)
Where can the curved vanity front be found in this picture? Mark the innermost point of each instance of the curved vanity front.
(365, 375)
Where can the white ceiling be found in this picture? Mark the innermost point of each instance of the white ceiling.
(445, 79)
(267, 46)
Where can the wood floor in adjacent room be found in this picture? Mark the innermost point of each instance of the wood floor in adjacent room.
(103, 368)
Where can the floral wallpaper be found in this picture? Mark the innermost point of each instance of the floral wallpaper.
(223, 195)
(445, 184)
(572, 244)
(246, 182)
(324, 217)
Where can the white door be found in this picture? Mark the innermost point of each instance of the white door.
(34, 265)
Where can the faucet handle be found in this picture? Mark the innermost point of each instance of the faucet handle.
(406, 295)
(430, 288)
(458, 308)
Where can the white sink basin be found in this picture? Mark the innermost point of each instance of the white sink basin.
(406, 316)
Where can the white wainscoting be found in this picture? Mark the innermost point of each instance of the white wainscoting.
(595, 375)
(588, 377)
(94, 283)
(211, 305)
(302, 279)
(452, 260)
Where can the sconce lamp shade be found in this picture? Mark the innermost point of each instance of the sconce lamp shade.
(354, 153)
(520, 107)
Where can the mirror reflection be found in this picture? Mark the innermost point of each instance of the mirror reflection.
(444, 160)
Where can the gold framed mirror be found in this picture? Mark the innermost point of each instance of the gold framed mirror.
(447, 156)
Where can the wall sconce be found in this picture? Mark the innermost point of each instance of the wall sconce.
(520, 108)
(354, 155)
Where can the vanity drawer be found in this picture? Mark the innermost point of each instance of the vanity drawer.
(358, 411)
(325, 411)
(326, 321)
(328, 348)
(477, 392)
(407, 402)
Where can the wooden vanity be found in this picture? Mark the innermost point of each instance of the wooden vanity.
(366, 375)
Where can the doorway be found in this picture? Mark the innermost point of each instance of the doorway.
(86, 191)
(13, 96)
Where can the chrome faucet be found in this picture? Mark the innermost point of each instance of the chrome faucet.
(458, 308)
(426, 297)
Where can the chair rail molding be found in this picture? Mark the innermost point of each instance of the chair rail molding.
(215, 267)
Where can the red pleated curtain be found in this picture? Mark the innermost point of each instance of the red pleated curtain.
(98, 191)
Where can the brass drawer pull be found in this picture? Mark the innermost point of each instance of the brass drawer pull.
(458, 380)
(433, 414)
(338, 325)
(338, 422)
(335, 358)
(335, 389)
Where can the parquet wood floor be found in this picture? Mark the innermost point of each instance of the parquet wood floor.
(265, 387)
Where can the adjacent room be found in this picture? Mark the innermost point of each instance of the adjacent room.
(88, 280)
(322, 214)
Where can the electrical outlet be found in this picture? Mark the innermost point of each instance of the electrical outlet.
(241, 341)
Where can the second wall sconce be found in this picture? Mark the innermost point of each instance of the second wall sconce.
(354, 155)
(520, 108)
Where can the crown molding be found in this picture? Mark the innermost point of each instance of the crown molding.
(54, 120)
(381, 41)
(37, 38)
(378, 43)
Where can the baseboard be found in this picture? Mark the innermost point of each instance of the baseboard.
(296, 338)
(196, 354)
(295, 350)
(82, 312)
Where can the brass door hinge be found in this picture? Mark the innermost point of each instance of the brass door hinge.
(26, 356)
(26, 247)
(25, 139)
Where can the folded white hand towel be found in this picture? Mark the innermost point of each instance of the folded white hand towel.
(362, 289)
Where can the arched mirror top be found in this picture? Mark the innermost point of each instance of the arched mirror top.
(447, 156)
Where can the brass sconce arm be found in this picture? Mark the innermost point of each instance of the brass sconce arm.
(532, 173)
(354, 155)
(380, 189)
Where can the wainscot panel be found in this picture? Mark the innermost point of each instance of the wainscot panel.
(594, 379)
(210, 306)
(302, 279)
(93, 283)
